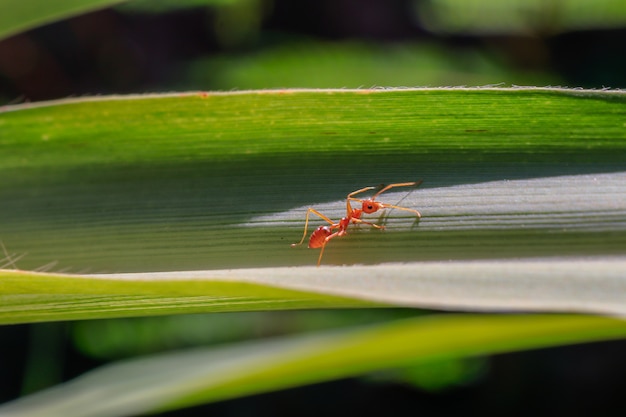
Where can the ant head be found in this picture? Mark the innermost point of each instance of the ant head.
(371, 206)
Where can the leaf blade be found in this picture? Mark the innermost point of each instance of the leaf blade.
(18, 16)
(184, 171)
(187, 378)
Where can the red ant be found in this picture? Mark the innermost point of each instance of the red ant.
(323, 234)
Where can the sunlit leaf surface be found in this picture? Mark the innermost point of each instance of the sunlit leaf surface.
(215, 181)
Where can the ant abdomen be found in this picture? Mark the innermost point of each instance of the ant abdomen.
(318, 237)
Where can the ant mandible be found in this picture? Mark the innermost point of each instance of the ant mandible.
(323, 234)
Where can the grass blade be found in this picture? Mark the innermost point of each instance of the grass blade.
(171, 381)
(175, 182)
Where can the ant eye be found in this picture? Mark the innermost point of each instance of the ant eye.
(370, 207)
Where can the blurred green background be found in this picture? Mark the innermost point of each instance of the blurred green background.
(159, 46)
(143, 46)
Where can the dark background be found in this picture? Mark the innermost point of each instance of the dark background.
(310, 43)
(313, 43)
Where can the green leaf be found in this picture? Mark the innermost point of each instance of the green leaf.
(178, 181)
(351, 64)
(521, 16)
(175, 380)
(20, 15)
(207, 181)
(539, 285)
(165, 6)
(220, 183)
(31, 297)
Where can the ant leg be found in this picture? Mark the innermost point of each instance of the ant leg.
(382, 190)
(349, 198)
(306, 223)
(400, 184)
(391, 206)
(319, 259)
(362, 190)
(376, 226)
